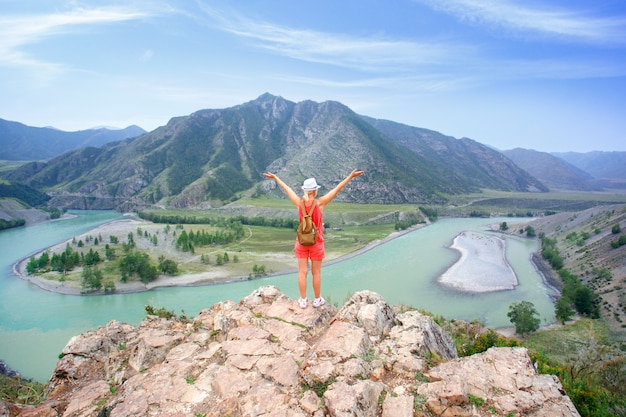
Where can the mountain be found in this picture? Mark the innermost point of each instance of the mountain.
(214, 156)
(463, 161)
(19, 142)
(552, 171)
(606, 165)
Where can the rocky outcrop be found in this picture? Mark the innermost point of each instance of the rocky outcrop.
(264, 356)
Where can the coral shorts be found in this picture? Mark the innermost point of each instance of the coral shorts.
(313, 252)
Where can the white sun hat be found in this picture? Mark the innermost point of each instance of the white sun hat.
(310, 184)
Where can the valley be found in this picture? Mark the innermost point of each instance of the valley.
(205, 171)
(352, 228)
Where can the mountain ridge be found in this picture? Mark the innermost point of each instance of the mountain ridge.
(214, 156)
(552, 170)
(26, 143)
(473, 159)
(599, 164)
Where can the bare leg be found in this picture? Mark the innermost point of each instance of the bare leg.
(316, 271)
(303, 269)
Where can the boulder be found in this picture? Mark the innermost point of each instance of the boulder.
(265, 356)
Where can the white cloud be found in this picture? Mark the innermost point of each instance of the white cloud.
(426, 65)
(421, 82)
(368, 54)
(18, 31)
(542, 19)
(147, 55)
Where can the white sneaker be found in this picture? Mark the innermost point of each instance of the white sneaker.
(318, 302)
(302, 302)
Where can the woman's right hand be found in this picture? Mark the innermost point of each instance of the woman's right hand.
(269, 175)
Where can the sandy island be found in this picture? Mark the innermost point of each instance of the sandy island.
(482, 267)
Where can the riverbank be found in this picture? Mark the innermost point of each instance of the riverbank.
(123, 226)
(14, 210)
(550, 277)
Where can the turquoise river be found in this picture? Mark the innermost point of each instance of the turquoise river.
(35, 324)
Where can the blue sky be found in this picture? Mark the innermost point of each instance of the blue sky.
(547, 75)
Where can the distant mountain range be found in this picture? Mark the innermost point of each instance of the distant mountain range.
(19, 142)
(593, 171)
(551, 170)
(601, 165)
(215, 156)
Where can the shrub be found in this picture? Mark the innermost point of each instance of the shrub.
(168, 266)
(161, 312)
(484, 341)
(17, 390)
(320, 387)
(524, 316)
(563, 310)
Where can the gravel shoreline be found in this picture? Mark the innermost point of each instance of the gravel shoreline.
(550, 278)
(483, 266)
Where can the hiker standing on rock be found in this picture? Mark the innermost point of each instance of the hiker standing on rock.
(314, 252)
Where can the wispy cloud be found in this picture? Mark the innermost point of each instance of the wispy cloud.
(563, 22)
(18, 31)
(147, 55)
(422, 82)
(364, 53)
(424, 64)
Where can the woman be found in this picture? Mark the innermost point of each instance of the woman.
(316, 252)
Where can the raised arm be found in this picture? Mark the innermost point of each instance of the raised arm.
(327, 198)
(290, 193)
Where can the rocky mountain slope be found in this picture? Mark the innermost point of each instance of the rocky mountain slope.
(214, 156)
(19, 142)
(13, 209)
(551, 170)
(264, 356)
(584, 242)
(461, 160)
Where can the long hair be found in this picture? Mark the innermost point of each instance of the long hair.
(308, 195)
